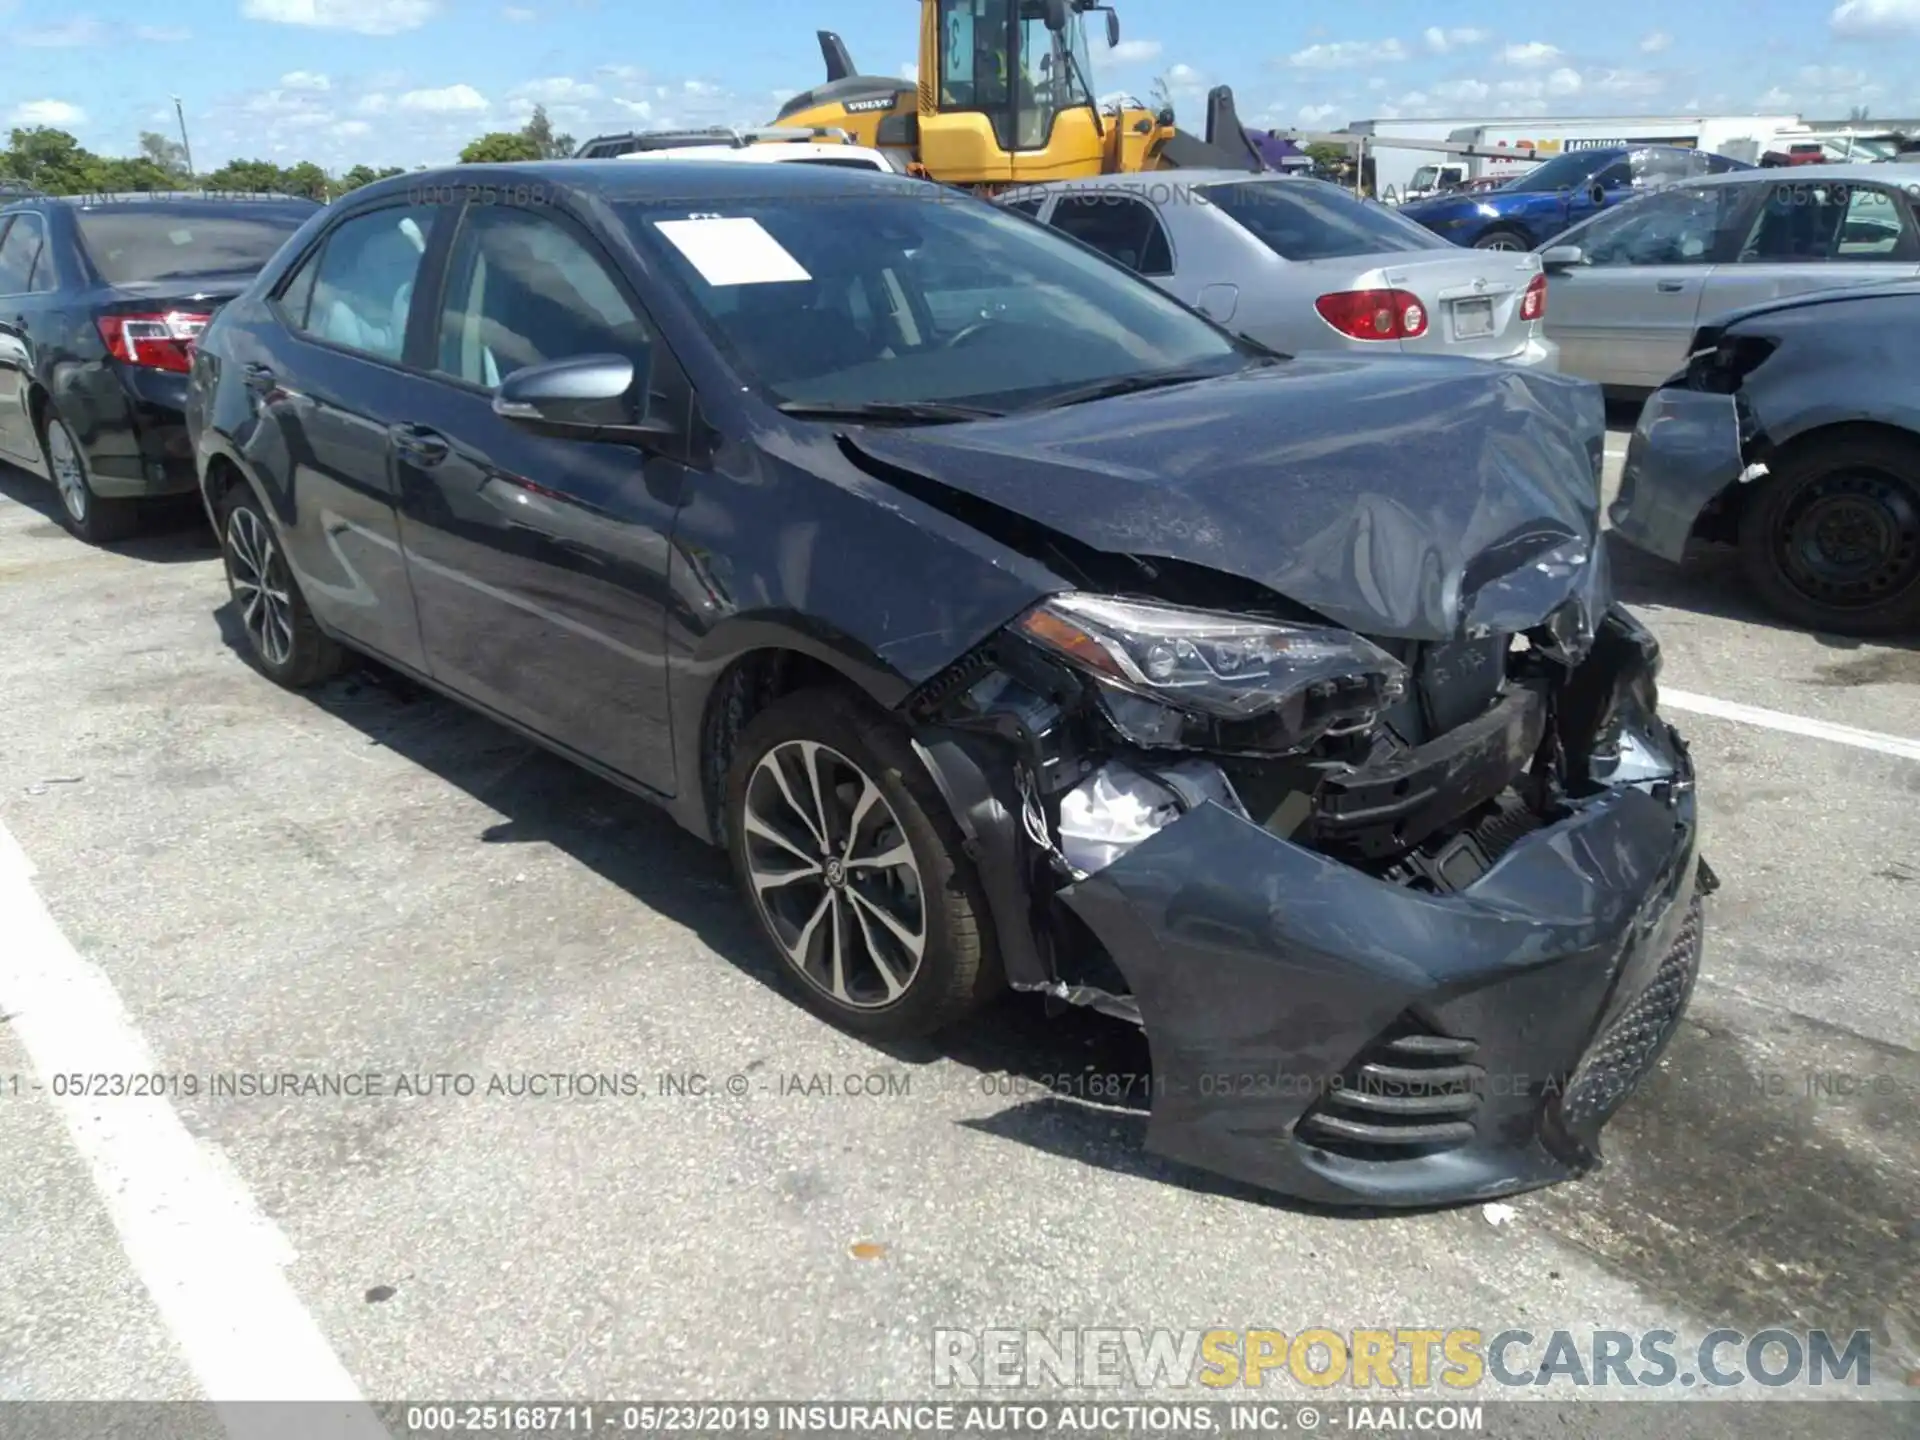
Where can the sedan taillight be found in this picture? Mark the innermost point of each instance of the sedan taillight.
(1374, 314)
(154, 341)
(1533, 304)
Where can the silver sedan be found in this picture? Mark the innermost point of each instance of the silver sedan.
(1628, 288)
(1299, 264)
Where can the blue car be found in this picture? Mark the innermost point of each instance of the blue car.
(1531, 209)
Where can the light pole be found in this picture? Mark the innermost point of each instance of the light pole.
(185, 145)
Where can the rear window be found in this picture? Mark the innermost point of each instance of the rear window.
(1308, 220)
(135, 241)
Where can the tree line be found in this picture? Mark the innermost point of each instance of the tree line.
(50, 160)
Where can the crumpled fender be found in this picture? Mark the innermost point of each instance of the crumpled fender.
(1686, 449)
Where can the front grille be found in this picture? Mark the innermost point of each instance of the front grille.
(1626, 1051)
(1412, 1092)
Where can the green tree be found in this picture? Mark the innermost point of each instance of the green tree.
(307, 179)
(500, 147)
(360, 175)
(539, 130)
(118, 173)
(49, 159)
(246, 175)
(1328, 155)
(168, 156)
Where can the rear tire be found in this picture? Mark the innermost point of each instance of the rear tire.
(1832, 541)
(1500, 237)
(89, 517)
(283, 639)
(879, 929)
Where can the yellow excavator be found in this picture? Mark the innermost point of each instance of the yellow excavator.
(1004, 97)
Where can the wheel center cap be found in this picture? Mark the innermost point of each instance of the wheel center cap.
(836, 872)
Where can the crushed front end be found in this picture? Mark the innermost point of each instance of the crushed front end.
(1404, 922)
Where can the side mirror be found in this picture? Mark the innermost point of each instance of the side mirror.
(1113, 29)
(1562, 257)
(1057, 15)
(1597, 193)
(584, 397)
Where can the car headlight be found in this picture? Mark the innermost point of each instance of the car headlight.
(1171, 676)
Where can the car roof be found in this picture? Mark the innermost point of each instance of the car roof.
(770, 153)
(163, 197)
(617, 179)
(1857, 172)
(1158, 182)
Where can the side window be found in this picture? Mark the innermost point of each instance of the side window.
(19, 249)
(1800, 222)
(295, 298)
(1875, 227)
(1030, 208)
(522, 290)
(1613, 177)
(1674, 227)
(1119, 227)
(362, 287)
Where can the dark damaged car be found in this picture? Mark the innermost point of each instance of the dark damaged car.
(1047, 636)
(1793, 433)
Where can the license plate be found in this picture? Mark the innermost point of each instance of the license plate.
(1472, 319)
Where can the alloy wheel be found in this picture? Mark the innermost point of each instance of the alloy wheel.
(1851, 539)
(1499, 242)
(834, 875)
(69, 474)
(261, 585)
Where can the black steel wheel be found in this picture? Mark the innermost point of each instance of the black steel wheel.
(1833, 541)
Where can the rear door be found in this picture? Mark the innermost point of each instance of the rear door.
(1625, 314)
(1802, 237)
(1123, 227)
(23, 266)
(336, 369)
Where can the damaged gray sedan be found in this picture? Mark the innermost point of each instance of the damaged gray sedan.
(1012, 625)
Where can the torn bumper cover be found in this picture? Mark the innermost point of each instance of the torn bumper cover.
(1685, 452)
(1345, 1040)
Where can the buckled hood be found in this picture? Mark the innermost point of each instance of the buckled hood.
(1400, 496)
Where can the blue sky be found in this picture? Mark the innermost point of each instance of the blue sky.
(409, 81)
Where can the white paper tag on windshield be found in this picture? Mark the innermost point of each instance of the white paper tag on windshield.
(733, 251)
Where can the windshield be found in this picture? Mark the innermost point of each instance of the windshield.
(1307, 220)
(1563, 172)
(916, 296)
(140, 241)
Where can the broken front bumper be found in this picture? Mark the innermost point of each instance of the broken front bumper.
(1685, 452)
(1350, 1041)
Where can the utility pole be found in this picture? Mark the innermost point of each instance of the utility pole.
(185, 145)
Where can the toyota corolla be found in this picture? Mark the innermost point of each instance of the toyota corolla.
(1012, 625)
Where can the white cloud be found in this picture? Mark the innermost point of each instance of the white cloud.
(639, 109)
(363, 17)
(1626, 84)
(910, 72)
(1654, 41)
(446, 100)
(163, 34)
(84, 30)
(621, 72)
(47, 112)
(352, 129)
(1441, 41)
(1558, 85)
(305, 80)
(518, 15)
(1346, 54)
(1874, 19)
(1312, 117)
(1774, 99)
(1455, 92)
(556, 90)
(1532, 55)
(1183, 75)
(1135, 52)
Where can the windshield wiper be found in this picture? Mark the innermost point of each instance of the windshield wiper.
(1126, 385)
(922, 412)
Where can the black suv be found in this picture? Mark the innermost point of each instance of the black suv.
(101, 298)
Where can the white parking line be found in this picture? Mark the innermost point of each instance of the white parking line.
(1790, 724)
(210, 1259)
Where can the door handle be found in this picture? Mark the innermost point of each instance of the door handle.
(257, 376)
(420, 445)
(1671, 287)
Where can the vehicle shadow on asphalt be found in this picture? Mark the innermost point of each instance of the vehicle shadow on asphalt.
(172, 530)
(1710, 582)
(1076, 1082)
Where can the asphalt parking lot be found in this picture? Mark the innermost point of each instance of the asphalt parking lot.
(368, 879)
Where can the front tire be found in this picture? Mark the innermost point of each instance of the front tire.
(282, 637)
(855, 870)
(1833, 540)
(1501, 238)
(92, 519)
